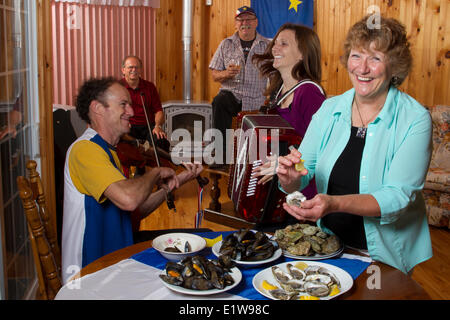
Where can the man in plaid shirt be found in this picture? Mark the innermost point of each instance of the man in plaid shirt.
(242, 86)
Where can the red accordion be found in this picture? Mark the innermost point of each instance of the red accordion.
(260, 135)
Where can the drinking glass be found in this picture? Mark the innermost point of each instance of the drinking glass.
(235, 62)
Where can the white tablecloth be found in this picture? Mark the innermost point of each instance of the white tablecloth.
(133, 280)
(126, 280)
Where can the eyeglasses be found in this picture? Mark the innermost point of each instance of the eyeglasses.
(245, 20)
(133, 67)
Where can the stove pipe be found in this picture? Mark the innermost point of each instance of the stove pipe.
(187, 48)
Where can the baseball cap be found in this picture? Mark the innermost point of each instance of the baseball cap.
(245, 9)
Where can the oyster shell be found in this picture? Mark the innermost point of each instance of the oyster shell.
(302, 239)
(316, 289)
(295, 199)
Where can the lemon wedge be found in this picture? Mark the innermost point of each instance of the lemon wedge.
(299, 166)
(301, 265)
(211, 242)
(268, 286)
(334, 290)
(308, 298)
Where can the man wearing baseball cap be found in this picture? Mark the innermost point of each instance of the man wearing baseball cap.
(242, 86)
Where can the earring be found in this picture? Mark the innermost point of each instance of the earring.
(394, 80)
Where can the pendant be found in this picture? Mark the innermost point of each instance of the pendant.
(361, 133)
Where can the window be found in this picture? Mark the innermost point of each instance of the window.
(17, 274)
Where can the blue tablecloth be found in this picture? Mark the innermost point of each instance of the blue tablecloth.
(245, 289)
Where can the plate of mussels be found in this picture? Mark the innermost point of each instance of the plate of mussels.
(307, 242)
(198, 275)
(300, 280)
(247, 247)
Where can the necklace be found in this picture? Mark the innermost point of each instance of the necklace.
(361, 133)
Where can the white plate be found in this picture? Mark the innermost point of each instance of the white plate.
(235, 273)
(316, 256)
(344, 278)
(275, 256)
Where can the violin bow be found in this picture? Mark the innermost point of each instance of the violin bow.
(169, 196)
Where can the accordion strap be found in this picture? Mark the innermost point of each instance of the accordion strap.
(287, 93)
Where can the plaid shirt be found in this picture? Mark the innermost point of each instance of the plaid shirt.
(251, 87)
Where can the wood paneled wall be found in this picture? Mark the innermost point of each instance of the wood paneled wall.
(427, 23)
(45, 76)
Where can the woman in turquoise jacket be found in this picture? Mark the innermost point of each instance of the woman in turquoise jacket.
(369, 150)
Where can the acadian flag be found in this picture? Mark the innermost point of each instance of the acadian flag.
(272, 14)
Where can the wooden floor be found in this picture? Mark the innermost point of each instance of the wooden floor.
(432, 275)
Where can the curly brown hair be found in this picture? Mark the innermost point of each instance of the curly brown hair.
(308, 68)
(390, 38)
(92, 89)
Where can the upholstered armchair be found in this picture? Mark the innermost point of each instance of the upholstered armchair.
(437, 185)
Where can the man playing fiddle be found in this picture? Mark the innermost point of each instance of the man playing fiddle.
(98, 198)
(143, 94)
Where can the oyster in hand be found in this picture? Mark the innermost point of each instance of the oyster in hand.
(295, 199)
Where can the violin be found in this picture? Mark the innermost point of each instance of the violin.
(131, 153)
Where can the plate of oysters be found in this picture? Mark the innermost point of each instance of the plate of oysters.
(247, 248)
(302, 280)
(307, 242)
(198, 275)
(304, 241)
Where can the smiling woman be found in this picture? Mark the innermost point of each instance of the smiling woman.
(373, 154)
(292, 63)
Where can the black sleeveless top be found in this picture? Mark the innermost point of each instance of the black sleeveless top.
(344, 179)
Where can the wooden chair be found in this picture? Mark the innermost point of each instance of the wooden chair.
(46, 253)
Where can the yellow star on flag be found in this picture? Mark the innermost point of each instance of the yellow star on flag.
(294, 4)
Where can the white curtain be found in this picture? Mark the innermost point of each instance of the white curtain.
(122, 3)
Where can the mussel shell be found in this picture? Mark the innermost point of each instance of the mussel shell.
(174, 270)
(200, 283)
(171, 280)
(226, 262)
(216, 276)
(199, 263)
(261, 255)
(188, 270)
(228, 279)
(248, 246)
(244, 234)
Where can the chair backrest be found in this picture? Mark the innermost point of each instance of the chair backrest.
(39, 197)
(48, 265)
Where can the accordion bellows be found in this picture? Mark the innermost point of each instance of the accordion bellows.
(260, 136)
